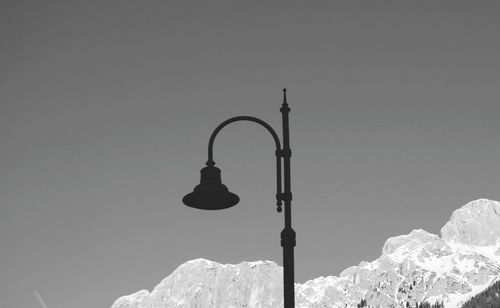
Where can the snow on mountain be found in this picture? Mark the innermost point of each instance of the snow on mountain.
(476, 223)
(413, 268)
(202, 283)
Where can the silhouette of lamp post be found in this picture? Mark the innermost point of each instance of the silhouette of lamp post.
(211, 194)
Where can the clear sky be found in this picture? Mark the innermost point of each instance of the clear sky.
(106, 108)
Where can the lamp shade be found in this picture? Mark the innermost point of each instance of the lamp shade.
(210, 194)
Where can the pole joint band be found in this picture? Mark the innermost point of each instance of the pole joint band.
(285, 153)
(287, 197)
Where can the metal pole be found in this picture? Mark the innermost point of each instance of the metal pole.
(288, 234)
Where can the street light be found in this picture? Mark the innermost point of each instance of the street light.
(211, 194)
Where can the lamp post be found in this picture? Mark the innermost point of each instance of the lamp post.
(211, 194)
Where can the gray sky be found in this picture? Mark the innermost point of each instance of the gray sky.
(106, 109)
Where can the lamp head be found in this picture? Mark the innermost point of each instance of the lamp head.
(210, 194)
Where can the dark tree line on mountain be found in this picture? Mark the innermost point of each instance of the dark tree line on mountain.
(489, 298)
(427, 305)
(364, 304)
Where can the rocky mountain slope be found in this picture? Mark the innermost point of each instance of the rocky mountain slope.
(489, 298)
(413, 268)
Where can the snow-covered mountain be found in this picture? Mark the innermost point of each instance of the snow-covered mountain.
(412, 268)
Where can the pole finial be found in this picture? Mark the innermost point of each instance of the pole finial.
(284, 106)
(285, 103)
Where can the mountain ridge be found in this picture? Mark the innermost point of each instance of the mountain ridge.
(416, 267)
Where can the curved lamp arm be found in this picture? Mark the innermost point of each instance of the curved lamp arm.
(211, 162)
